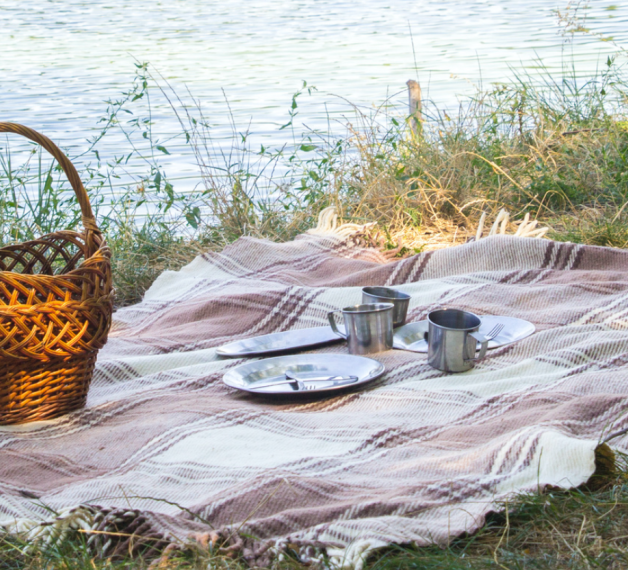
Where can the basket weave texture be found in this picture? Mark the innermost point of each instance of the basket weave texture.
(56, 301)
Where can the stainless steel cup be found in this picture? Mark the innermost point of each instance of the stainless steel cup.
(369, 327)
(452, 340)
(386, 295)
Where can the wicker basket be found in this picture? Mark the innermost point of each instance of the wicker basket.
(55, 311)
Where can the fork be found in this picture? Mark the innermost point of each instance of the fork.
(499, 327)
(301, 385)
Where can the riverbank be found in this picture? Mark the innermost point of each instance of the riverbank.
(555, 150)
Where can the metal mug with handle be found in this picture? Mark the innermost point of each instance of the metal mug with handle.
(452, 340)
(369, 327)
(399, 299)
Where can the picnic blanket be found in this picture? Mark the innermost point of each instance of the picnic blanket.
(164, 452)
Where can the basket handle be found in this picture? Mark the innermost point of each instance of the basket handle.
(88, 219)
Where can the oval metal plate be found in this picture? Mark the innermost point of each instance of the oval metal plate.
(410, 336)
(279, 342)
(245, 376)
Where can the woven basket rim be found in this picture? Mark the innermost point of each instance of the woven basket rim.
(104, 253)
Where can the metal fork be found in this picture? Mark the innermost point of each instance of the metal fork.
(300, 382)
(499, 327)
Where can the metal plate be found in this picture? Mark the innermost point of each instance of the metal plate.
(410, 337)
(245, 376)
(279, 342)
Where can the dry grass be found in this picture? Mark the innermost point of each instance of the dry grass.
(558, 152)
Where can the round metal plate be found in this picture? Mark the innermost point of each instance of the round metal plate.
(279, 342)
(247, 375)
(410, 337)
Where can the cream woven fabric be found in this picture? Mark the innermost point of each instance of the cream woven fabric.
(165, 451)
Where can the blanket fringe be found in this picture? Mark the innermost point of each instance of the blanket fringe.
(68, 520)
(117, 533)
(526, 228)
(328, 225)
(111, 532)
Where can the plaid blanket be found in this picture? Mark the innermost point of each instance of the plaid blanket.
(164, 452)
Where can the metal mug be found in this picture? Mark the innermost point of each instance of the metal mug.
(369, 327)
(386, 295)
(452, 340)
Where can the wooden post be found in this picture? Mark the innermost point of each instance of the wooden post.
(414, 100)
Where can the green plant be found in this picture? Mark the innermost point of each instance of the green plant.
(552, 147)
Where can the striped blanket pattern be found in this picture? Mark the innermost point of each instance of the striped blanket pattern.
(165, 452)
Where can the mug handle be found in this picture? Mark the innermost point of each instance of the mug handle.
(334, 326)
(483, 346)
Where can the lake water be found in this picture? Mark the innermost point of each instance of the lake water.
(60, 59)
